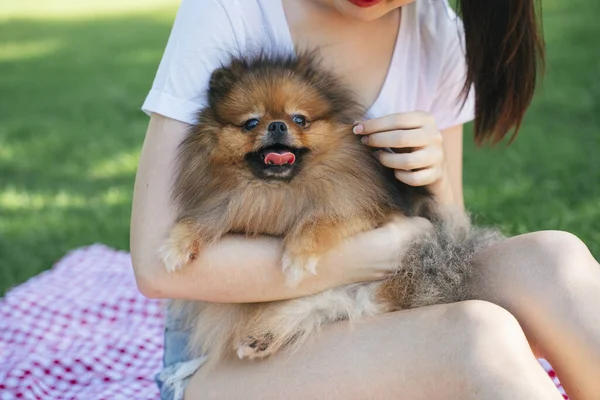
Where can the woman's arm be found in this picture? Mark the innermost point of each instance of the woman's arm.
(449, 189)
(238, 269)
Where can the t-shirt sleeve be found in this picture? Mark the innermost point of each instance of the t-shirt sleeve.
(201, 37)
(448, 108)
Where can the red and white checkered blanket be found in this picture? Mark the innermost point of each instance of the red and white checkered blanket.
(83, 331)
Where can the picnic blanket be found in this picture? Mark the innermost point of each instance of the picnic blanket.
(81, 330)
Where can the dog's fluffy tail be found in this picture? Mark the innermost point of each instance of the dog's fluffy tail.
(439, 267)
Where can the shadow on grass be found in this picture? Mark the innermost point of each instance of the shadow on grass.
(70, 133)
(71, 130)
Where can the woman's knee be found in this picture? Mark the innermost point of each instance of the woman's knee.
(482, 346)
(484, 332)
(557, 245)
(545, 256)
(493, 353)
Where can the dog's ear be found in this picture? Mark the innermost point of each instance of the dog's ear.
(220, 83)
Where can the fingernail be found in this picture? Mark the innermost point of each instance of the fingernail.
(358, 129)
(364, 139)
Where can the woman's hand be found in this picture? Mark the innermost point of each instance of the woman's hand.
(417, 155)
(374, 254)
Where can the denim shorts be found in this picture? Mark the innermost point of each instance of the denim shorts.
(178, 366)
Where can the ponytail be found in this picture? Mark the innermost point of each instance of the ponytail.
(503, 49)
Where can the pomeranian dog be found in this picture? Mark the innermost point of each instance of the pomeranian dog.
(273, 153)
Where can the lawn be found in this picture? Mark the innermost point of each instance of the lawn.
(73, 76)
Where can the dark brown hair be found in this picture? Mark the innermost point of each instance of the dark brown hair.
(504, 51)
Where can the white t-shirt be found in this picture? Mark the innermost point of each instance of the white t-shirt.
(427, 69)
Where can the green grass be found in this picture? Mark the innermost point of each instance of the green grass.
(73, 76)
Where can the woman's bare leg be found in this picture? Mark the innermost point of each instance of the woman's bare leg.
(551, 283)
(470, 350)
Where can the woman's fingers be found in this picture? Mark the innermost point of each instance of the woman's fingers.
(417, 155)
(409, 120)
(422, 158)
(398, 139)
(422, 177)
(405, 229)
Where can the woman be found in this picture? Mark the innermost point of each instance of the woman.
(541, 290)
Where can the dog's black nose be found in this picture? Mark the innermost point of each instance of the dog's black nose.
(277, 128)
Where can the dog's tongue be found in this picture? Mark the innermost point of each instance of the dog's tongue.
(280, 159)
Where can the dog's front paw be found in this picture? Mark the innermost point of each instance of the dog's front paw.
(297, 266)
(179, 249)
(253, 347)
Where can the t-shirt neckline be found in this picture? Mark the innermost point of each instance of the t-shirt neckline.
(279, 22)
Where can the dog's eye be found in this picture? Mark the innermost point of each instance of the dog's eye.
(250, 124)
(299, 120)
